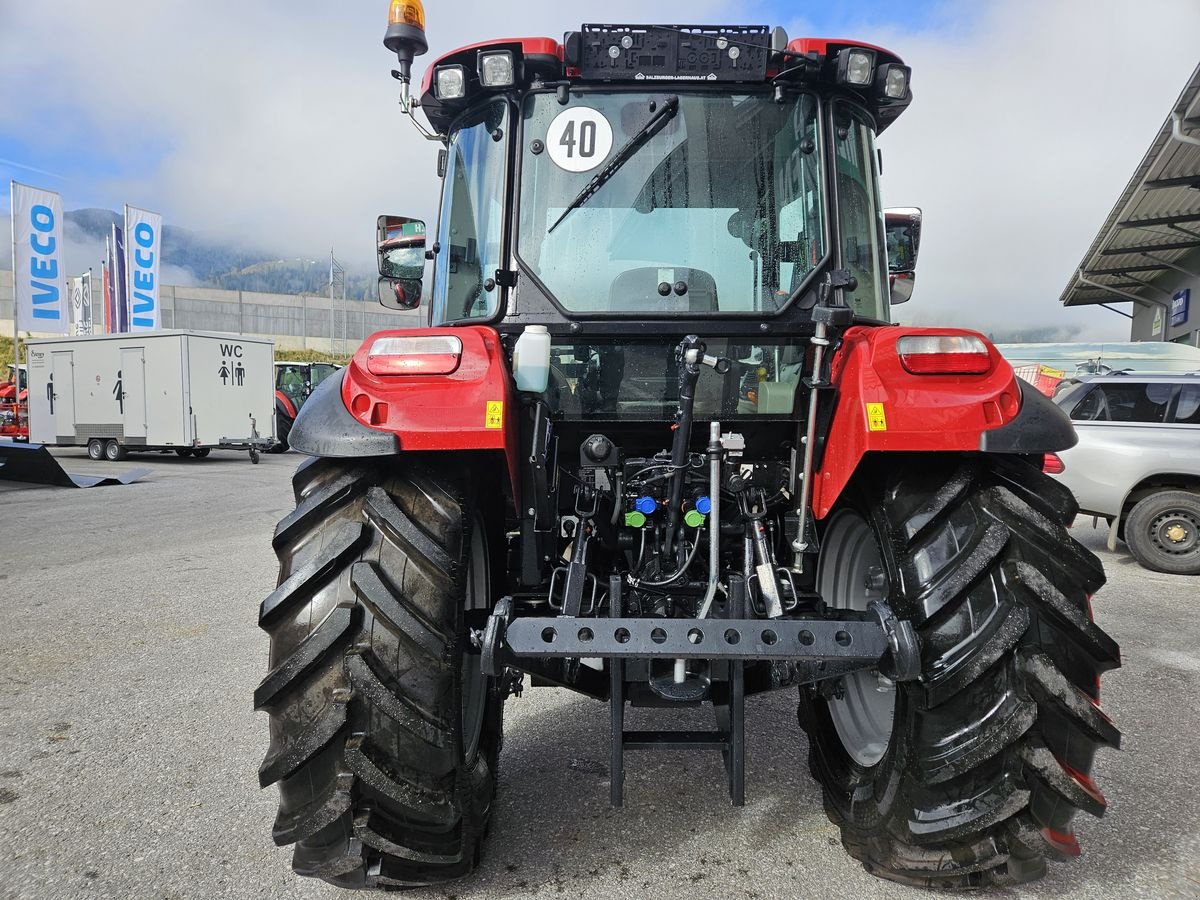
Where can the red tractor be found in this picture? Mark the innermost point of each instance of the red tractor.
(14, 405)
(660, 445)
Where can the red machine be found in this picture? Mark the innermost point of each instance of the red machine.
(14, 406)
(661, 446)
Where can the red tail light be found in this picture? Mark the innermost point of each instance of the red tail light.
(944, 354)
(432, 355)
(1052, 465)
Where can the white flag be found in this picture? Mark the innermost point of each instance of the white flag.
(143, 243)
(39, 267)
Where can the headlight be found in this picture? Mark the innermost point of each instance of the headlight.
(856, 66)
(451, 83)
(496, 68)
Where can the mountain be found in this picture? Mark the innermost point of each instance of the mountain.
(191, 257)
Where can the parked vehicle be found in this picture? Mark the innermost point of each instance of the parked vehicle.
(14, 405)
(1137, 463)
(294, 382)
(115, 394)
(659, 446)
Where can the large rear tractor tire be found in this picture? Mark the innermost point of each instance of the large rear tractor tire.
(283, 430)
(384, 734)
(970, 776)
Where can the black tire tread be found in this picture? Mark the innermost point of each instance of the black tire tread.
(998, 736)
(365, 639)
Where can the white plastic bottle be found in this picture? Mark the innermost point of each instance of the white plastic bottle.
(531, 359)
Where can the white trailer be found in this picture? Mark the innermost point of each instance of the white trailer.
(186, 391)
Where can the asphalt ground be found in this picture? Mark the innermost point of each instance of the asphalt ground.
(128, 748)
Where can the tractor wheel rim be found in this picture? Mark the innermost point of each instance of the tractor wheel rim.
(850, 575)
(474, 686)
(1176, 532)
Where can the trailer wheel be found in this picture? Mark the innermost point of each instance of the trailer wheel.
(970, 776)
(183, 452)
(1163, 532)
(384, 732)
(113, 451)
(95, 449)
(201, 452)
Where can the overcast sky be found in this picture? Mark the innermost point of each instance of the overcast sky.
(277, 122)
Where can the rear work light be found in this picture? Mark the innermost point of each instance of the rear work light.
(496, 68)
(450, 82)
(944, 354)
(892, 80)
(431, 355)
(856, 66)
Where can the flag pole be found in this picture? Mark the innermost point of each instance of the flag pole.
(12, 206)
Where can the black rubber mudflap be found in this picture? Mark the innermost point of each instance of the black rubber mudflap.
(34, 464)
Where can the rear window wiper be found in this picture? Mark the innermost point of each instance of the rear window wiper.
(655, 124)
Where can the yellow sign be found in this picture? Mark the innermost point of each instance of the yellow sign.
(876, 420)
(495, 414)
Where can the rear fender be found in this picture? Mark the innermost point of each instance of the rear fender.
(356, 413)
(881, 407)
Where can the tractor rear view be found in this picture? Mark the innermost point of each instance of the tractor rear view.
(660, 445)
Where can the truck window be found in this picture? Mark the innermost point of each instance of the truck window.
(1187, 408)
(1125, 402)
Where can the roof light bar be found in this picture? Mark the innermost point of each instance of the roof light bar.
(856, 66)
(496, 69)
(450, 82)
(437, 354)
(944, 354)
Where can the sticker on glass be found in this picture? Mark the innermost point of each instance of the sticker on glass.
(579, 139)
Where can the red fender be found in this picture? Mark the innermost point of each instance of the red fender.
(883, 407)
(472, 408)
(288, 406)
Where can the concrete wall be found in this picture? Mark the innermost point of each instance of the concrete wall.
(293, 321)
(1142, 326)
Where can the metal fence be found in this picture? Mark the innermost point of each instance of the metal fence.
(293, 321)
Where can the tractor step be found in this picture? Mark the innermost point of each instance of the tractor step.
(729, 737)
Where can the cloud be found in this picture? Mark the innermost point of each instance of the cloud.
(1028, 119)
(275, 123)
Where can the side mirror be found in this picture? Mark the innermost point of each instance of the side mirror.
(903, 231)
(399, 294)
(400, 243)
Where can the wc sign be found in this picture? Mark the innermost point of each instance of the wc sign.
(39, 270)
(143, 244)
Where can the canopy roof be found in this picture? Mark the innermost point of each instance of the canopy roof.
(1156, 222)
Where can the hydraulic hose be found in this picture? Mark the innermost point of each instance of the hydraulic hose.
(714, 515)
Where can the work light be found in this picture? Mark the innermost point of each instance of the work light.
(856, 66)
(451, 82)
(892, 80)
(496, 68)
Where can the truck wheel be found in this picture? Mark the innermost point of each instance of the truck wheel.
(970, 776)
(384, 733)
(95, 449)
(113, 451)
(201, 452)
(1163, 532)
(183, 452)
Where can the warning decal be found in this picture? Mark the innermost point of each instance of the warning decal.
(876, 420)
(495, 414)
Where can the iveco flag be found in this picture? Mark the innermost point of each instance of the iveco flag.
(39, 269)
(143, 240)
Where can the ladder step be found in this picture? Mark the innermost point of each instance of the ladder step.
(684, 740)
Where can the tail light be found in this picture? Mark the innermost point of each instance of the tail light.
(429, 355)
(944, 354)
(1052, 465)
